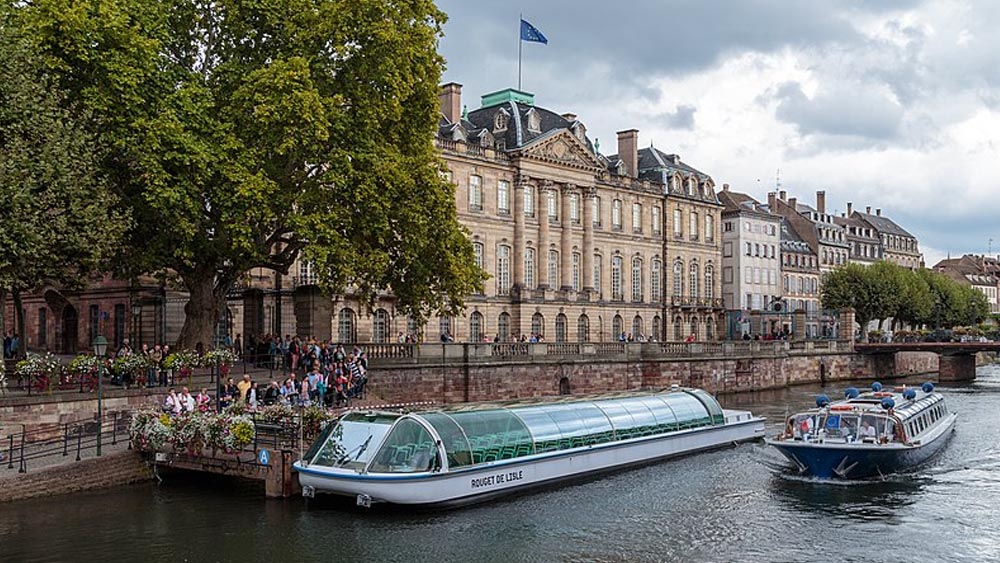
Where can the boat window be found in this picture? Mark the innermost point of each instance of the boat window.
(494, 434)
(691, 413)
(666, 419)
(643, 419)
(456, 446)
(713, 406)
(354, 439)
(619, 416)
(408, 449)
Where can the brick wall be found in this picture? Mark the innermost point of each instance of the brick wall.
(109, 471)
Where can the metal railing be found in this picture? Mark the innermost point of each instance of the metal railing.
(45, 444)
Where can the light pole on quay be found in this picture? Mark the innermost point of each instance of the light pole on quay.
(100, 349)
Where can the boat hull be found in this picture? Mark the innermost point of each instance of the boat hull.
(859, 461)
(494, 479)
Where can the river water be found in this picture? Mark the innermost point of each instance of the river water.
(738, 504)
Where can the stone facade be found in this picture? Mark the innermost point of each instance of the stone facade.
(751, 254)
(112, 470)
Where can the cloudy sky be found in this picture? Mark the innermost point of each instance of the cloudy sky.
(893, 105)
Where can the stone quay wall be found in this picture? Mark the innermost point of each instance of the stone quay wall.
(112, 470)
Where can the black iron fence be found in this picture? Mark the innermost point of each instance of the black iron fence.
(46, 445)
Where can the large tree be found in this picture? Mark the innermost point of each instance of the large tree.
(58, 219)
(871, 291)
(249, 132)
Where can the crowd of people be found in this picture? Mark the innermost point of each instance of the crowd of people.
(11, 345)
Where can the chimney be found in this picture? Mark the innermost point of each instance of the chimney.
(725, 187)
(878, 212)
(450, 98)
(771, 196)
(791, 203)
(868, 209)
(782, 195)
(628, 150)
(849, 209)
(821, 202)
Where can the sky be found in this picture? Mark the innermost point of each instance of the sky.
(892, 105)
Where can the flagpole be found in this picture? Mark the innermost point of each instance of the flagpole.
(519, 42)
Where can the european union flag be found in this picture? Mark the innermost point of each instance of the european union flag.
(531, 33)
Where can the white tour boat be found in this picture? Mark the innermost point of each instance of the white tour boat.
(472, 452)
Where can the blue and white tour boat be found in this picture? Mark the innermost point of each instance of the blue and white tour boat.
(867, 434)
(472, 452)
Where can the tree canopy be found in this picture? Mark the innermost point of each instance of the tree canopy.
(245, 134)
(60, 222)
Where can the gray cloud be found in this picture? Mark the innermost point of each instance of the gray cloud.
(841, 111)
(681, 118)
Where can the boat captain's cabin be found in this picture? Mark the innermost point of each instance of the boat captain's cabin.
(847, 426)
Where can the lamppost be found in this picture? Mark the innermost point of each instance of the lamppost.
(136, 333)
(100, 348)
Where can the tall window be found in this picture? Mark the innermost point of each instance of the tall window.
(380, 326)
(678, 329)
(678, 278)
(597, 273)
(346, 331)
(475, 193)
(616, 278)
(307, 273)
(617, 326)
(119, 325)
(552, 202)
(678, 226)
(576, 271)
(529, 267)
(657, 327)
(538, 324)
(583, 328)
(476, 327)
(479, 251)
(709, 227)
(444, 326)
(637, 217)
(554, 268)
(95, 321)
(709, 328)
(693, 281)
(637, 279)
(560, 328)
(503, 326)
(503, 269)
(710, 281)
(654, 280)
(637, 326)
(43, 327)
(616, 214)
(503, 197)
(529, 201)
(596, 208)
(655, 215)
(693, 225)
(574, 208)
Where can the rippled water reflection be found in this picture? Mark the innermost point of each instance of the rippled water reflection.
(739, 504)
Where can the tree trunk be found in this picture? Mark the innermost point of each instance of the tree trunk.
(3, 312)
(22, 348)
(207, 297)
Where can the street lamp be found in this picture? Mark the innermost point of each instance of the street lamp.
(100, 349)
(136, 335)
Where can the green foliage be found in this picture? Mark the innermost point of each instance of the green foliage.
(245, 134)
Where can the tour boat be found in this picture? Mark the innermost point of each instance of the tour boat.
(472, 452)
(867, 434)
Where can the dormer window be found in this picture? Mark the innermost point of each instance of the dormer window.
(692, 185)
(500, 121)
(534, 121)
(620, 168)
(580, 131)
(675, 184)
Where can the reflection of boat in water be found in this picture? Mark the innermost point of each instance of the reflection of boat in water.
(867, 434)
(472, 452)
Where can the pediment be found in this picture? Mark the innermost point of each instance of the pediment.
(562, 147)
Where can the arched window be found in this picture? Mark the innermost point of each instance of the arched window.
(444, 326)
(616, 278)
(637, 326)
(710, 281)
(560, 328)
(576, 271)
(380, 326)
(414, 329)
(538, 324)
(503, 269)
(476, 327)
(694, 327)
(678, 278)
(637, 279)
(693, 281)
(617, 326)
(346, 329)
(529, 267)
(655, 288)
(583, 328)
(692, 185)
(710, 329)
(503, 326)
(678, 328)
(657, 328)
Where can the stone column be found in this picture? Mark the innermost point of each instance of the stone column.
(518, 210)
(566, 249)
(542, 255)
(587, 201)
(846, 328)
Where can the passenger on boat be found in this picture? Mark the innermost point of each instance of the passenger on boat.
(806, 427)
(867, 431)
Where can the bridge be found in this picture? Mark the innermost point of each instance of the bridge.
(957, 360)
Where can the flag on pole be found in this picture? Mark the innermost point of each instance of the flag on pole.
(531, 33)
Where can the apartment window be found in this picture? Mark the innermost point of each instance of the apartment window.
(636, 279)
(576, 271)
(554, 268)
(678, 278)
(654, 280)
(709, 228)
(749, 249)
(529, 201)
(553, 205)
(727, 249)
(478, 250)
(529, 267)
(475, 193)
(678, 227)
(756, 249)
(616, 278)
(693, 280)
(748, 275)
(727, 226)
(693, 226)
(574, 208)
(503, 269)
(637, 217)
(596, 208)
(503, 197)
(597, 273)
(616, 214)
(655, 211)
(710, 281)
